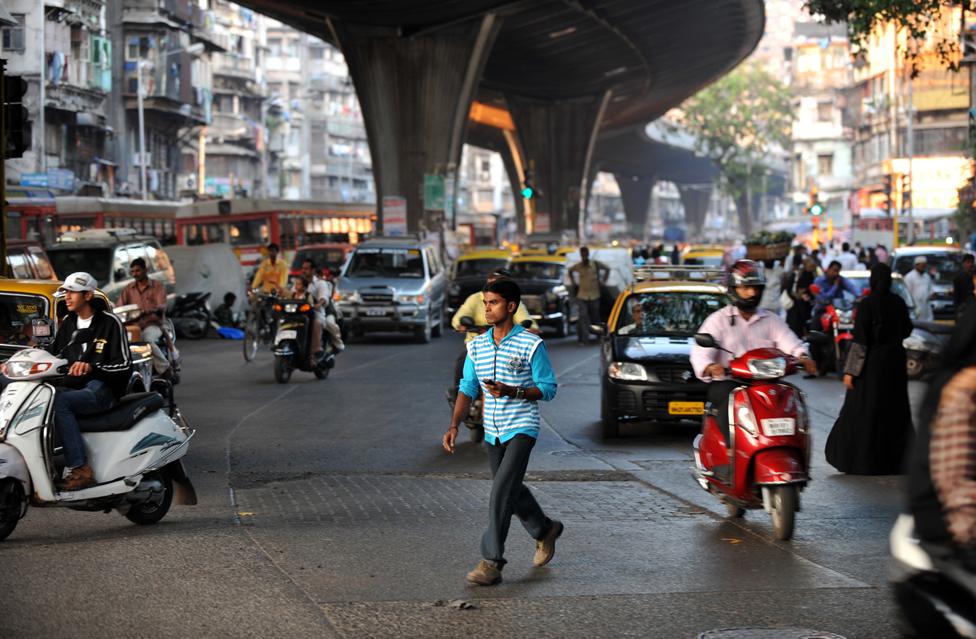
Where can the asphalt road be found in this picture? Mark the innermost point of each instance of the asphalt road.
(327, 508)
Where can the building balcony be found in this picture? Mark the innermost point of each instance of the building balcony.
(827, 183)
(232, 126)
(350, 128)
(70, 97)
(234, 66)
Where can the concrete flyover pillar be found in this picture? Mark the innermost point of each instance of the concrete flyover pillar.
(695, 200)
(415, 92)
(635, 195)
(557, 139)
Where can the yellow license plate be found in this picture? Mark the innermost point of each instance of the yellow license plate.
(686, 408)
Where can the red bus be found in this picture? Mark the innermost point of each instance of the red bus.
(44, 219)
(250, 224)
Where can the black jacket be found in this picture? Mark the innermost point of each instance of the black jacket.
(106, 349)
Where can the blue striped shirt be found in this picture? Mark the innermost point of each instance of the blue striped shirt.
(520, 360)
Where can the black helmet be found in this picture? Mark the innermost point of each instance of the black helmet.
(746, 273)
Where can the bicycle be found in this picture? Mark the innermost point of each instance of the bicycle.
(259, 324)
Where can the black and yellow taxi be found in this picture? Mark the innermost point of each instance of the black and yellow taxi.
(645, 370)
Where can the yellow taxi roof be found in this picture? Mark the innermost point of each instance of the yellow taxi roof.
(36, 287)
(550, 259)
(704, 251)
(485, 254)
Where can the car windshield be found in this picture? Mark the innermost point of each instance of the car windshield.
(537, 271)
(479, 268)
(95, 261)
(16, 313)
(706, 260)
(671, 313)
(331, 259)
(897, 287)
(386, 262)
(943, 267)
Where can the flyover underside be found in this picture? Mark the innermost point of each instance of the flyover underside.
(417, 63)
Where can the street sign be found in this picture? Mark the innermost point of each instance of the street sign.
(433, 192)
(542, 224)
(394, 215)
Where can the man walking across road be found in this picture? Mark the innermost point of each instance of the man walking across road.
(587, 277)
(919, 284)
(513, 366)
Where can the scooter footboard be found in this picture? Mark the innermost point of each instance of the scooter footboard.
(780, 466)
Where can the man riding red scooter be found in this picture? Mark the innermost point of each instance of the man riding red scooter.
(766, 444)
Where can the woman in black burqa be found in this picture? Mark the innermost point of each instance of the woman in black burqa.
(874, 430)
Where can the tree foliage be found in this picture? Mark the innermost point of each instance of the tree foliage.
(917, 18)
(737, 121)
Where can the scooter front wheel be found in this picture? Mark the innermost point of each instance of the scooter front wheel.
(783, 500)
(12, 502)
(282, 370)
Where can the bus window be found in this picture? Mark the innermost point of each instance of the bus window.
(213, 233)
(248, 232)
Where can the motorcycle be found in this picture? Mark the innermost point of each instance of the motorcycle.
(837, 321)
(765, 463)
(474, 420)
(934, 584)
(130, 313)
(135, 448)
(293, 341)
(191, 315)
(924, 347)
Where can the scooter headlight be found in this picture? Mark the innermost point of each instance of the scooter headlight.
(22, 370)
(772, 368)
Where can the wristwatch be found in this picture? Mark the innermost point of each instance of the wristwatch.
(520, 393)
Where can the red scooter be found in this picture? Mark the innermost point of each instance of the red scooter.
(766, 463)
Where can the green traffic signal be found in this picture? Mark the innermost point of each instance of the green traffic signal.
(528, 192)
(816, 209)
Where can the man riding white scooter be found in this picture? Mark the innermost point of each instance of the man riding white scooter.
(94, 342)
(322, 291)
(741, 327)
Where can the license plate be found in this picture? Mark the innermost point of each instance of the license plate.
(286, 334)
(375, 312)
(686, 408)
(779, 427)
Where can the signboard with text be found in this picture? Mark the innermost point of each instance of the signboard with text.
(394, 215)
(434, 192)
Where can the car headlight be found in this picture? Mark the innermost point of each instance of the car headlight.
(350, 297)
(412, 299)
(629, 372)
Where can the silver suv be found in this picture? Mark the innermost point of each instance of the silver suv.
(394, 285)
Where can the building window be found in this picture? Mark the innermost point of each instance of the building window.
(825, 164)
(316, 53)
(13, 36)
(825, 111)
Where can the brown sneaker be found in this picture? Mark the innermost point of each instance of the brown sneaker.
(78, 478)
(485, 574)
(545, 548)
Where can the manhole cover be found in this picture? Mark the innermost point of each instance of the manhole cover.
(767, 633)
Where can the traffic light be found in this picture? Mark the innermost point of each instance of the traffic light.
(886, 203)
(528, 189)
(16, 119)
(906, 192)
(814, 207)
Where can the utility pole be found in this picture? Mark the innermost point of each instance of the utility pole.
(910, 130)
(306, 120)
(4, 267)
(142, 131)
(42, 98)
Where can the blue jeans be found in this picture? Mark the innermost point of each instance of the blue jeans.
(95, 397)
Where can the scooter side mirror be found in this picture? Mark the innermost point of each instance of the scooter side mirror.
(526, 323)
(598, 329)
(705, 340)
(467, 322)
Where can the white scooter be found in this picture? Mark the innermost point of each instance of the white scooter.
(135, 449)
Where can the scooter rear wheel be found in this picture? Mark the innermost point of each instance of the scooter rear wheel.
(12, 500)
(784, 501)
(148, 513)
